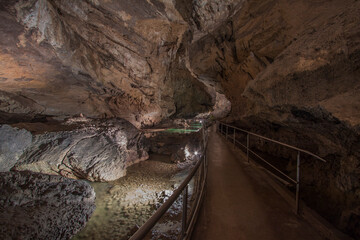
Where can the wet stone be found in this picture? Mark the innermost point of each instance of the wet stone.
(125, 204)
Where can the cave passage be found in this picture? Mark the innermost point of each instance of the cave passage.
(90, 89)
(241, 204)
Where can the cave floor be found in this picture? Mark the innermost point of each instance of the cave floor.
(240, 204)
(130, 201)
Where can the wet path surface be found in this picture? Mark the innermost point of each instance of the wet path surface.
(240, 204)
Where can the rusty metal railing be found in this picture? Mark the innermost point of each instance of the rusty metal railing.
(224, 129)
(186, 226)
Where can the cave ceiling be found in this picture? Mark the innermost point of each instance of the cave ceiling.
(148, 60)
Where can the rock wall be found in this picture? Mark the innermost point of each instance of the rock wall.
(110, 63)
(291, 71)
(191, 96)
(180, 147)
(100, 58)
(38, 206)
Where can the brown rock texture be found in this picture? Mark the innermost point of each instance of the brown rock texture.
(38, 206)
(285, 69)
(99, 58)
(291, 70)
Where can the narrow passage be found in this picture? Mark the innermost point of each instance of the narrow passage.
(240, 204)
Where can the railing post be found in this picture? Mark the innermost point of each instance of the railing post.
(297, 182)
(227, 128)
(247, 146)
(202, 168)
(234, 137)
(184, 213)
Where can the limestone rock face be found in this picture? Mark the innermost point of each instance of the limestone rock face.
(38, 206)
(285, 69)
(204, 16)
(221, 105)
(291, 72)
(95, 151)
(12, 145)
(191, 96)
(100, 58)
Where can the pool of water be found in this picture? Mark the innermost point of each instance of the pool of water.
(193, 127)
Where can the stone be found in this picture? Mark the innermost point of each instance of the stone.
(39, 206)
(13, 143)
(295, 79)
(204, 16)
(350, 221)
(96, 151)
(285, 69)
(100, 58)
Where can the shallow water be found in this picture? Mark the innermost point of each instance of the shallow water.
(124, 205)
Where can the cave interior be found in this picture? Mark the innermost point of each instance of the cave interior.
(96, 92)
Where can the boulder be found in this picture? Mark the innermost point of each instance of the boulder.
(96, 151)
(13, 143)
(39, 206)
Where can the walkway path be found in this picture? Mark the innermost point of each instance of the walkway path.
(239, 204)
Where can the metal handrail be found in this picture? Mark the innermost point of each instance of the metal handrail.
(274, 141)
(248, 150)
(183, 188)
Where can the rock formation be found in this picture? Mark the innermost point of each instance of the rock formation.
(291, 70)
(14, 143)
(95, 150)
(38, 206)
(99, 58)
(185, 147)
(285, 69)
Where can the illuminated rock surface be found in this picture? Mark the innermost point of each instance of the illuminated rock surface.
(94, 150)
(181, 143)
(99, 58)
(291, 71)
(285, 69)
(38, 206)
(14, 144)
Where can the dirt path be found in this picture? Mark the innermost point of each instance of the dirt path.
(239, 204)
